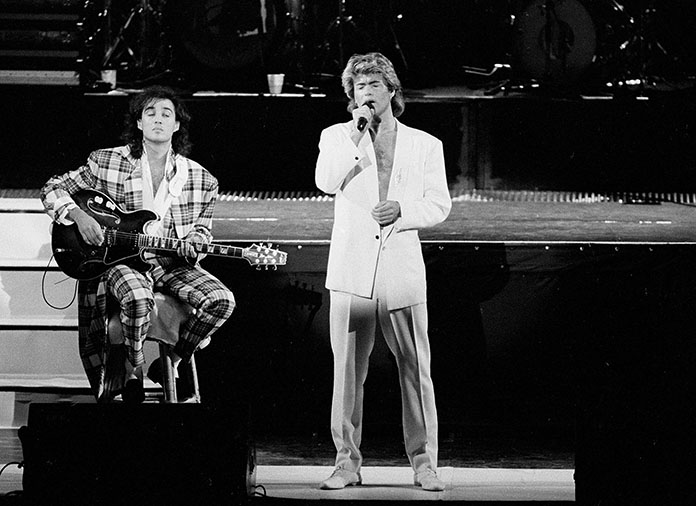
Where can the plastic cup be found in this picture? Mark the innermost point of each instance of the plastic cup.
(275, 83)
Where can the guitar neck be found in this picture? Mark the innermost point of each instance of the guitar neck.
(153, 242)
(258, 255)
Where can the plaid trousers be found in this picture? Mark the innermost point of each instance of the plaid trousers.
(133, 291)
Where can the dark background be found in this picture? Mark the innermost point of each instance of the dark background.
(636, 138)
(271, 143)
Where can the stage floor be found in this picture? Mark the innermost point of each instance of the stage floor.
(310, 220)
(396, 484)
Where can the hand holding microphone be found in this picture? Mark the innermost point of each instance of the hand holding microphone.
(364, 115)
(363, 120)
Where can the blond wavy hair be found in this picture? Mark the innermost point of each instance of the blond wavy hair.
(372, 63)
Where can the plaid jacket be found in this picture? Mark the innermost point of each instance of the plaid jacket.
(115, 172)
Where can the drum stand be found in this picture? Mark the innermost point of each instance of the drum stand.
(639, 50)
(336, 25)
(339, 24)
(506, 84)
(395, 41)
(145, 58)
(555, 44)
(292, 47)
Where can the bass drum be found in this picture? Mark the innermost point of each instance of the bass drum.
(554, 41)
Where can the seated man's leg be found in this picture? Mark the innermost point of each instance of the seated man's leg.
(213, 302)
(132, 290)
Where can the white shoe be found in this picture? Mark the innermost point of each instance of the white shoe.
(341, 478)
(429, 481)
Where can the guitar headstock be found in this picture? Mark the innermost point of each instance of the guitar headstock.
(261, 255)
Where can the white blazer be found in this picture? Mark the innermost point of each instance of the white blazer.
(418, 182)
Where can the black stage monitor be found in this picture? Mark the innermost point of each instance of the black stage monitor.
(135, 454)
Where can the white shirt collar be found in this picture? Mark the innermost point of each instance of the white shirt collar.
(160, 201)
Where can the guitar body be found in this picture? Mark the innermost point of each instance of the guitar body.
(83, 261)
(126, 243)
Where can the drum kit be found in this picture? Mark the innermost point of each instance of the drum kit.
(551, 42)
(602, 45)
(566, 42)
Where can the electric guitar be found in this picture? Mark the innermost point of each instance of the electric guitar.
(125, 242)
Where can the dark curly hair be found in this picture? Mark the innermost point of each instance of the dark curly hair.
(133, 136)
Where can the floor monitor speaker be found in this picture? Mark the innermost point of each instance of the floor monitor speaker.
(135, 454)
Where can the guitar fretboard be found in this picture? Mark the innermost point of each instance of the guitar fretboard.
(138, 240)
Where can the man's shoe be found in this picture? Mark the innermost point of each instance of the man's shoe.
(154, 372)
(341, 478)
(133, 392)
(184, 388)
(429, 481)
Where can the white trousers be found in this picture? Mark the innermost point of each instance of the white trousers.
(352, 327)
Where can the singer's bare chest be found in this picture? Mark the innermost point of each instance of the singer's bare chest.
(384, 145)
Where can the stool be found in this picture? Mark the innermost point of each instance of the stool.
(166, 318)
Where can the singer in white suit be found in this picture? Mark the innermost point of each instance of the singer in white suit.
(389, 181)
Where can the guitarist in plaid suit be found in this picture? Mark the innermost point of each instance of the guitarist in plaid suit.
(150, 172)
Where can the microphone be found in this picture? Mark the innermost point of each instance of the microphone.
(362, 121)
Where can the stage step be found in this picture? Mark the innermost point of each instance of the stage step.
(274, 195)
(40, 77)
(40, 42)
(580, 197)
